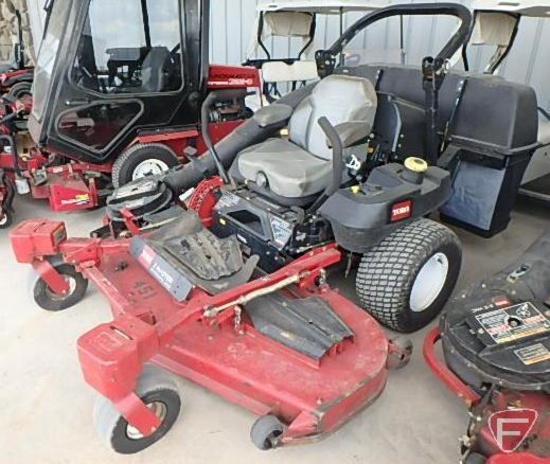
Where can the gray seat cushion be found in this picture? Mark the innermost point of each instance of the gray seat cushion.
(302, 166)
(291, 171)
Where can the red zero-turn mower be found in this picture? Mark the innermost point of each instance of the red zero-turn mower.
(232, 293)
(112, 108)
(496, 344)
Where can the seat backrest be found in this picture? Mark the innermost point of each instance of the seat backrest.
(153, 72)
(341, 99)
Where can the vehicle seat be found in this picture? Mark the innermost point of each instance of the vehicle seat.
(302, 166)
(155, 70)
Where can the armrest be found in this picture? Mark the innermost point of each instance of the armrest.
(352, 132)
(271, 115)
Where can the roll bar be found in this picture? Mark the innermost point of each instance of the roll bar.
(455, 43)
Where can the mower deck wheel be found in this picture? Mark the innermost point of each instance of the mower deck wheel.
(6, 219)
(51, 301)
(401, 353)
(406, 279)
(142, 160)
(20, 89)
(266, 431)
(159, 392)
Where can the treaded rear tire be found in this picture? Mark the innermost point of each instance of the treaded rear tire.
(20, 89)
(387, 274)
(126, 163)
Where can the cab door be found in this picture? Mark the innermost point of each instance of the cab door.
(128, 69)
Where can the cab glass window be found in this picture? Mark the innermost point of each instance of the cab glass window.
(130, 46)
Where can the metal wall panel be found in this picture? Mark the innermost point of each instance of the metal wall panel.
(233, 21)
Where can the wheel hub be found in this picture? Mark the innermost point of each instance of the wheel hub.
(159, 409)
(429, 283)
(60, 297)
(151, 167)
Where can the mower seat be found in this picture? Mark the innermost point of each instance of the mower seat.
(155, 70)
(301, 167)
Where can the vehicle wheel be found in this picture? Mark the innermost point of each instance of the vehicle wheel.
(20, 90)
(405, 281)
(6, 219)
(266, 431)
(142, 160)
(50, 301)
(159, 392)
(401, 353)
(475, 458)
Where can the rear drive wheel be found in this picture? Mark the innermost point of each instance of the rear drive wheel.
(51, 301)
(20, 90)
(266, 431)
(159, 392)
(142, 160)
(475, 458)
(405, 281)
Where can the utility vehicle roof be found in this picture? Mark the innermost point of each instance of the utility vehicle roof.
(532, 8)
(321, 6)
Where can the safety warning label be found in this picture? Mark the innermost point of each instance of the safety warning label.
(533, 354)
(514, 322)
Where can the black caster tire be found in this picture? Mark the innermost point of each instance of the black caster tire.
(405, 281)
(265, 432)
(402, 354)
(20, 90)
(6, 219)
(142, 160)
(50, 301)
(160, 394)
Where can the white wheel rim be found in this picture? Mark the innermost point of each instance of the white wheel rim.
(429, 283)
(3, 219)
(151, 167)
(72, 287)
(158, 408)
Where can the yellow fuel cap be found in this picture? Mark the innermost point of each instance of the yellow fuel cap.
(416, 165)
(356, 189)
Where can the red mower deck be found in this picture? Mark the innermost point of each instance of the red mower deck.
(211, 341)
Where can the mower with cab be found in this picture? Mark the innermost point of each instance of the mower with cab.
(110, 108)
(495, 338)
(231, 292)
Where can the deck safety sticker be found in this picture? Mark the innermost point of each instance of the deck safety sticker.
(514, 322)
(533, 354)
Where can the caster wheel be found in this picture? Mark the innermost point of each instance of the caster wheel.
(6, 219)
(159, 392)
(266, 431)
(51, 301)
(400, 354)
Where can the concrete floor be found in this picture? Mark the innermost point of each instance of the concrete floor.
(47, 408)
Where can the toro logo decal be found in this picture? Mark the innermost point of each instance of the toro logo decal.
(401, 211)
(510, 428)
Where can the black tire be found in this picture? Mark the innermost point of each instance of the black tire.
(265, 432)
(6, 219)
(475, 458)
(155, 388)
(20, 89)
(126, 164)
(50, 301)
(388, 273)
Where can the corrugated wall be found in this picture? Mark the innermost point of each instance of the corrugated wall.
(233, 22)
